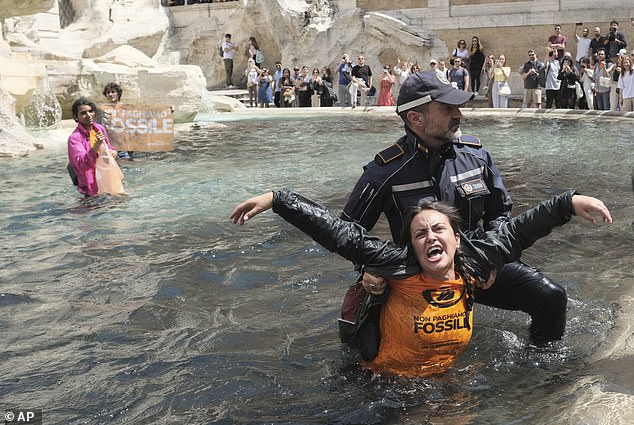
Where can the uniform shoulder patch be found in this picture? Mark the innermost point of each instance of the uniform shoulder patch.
(468, 140)
(389, 154)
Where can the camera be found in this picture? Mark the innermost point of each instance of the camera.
(612, 34)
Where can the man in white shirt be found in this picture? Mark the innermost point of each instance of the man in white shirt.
(228, 49)
(583, 47)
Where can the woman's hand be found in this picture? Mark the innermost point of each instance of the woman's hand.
(374, 284)
(584, 206)
(486, 285)
(251, 207)
(100, 140)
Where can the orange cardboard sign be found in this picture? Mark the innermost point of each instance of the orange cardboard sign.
(139, 128)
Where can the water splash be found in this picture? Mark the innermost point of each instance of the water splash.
(43, 111)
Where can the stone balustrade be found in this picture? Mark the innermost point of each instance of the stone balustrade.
(189, 2)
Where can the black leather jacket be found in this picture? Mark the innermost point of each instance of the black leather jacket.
(384, 258)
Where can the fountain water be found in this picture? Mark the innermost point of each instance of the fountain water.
(43, 111)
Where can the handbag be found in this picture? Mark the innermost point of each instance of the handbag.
(504, 90)
(108, 174)
(578, 90)
(331, 91)
(605, 82)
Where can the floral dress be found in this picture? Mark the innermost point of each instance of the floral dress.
(385, 91)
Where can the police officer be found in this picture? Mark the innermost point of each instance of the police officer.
(433, 160)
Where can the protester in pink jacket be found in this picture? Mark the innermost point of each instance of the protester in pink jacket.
(84, 145)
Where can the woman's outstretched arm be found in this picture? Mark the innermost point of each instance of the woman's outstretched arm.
(507, 243)
(348, 239)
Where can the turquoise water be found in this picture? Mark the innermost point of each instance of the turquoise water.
(153, 308)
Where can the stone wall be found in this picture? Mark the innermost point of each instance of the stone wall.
(379, 5)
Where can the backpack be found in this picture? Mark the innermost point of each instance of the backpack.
(359, 322)
(72, 174)
(259, 56)
(221, 51)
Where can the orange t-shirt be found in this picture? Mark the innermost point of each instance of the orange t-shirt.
(424, 324)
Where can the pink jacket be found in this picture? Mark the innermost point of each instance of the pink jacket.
(83, 159)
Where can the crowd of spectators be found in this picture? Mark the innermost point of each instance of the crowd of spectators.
(599, 76)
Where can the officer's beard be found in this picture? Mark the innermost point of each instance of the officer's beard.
(435, 137)
(452, 134)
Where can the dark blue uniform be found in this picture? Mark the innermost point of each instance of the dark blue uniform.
(464, 175)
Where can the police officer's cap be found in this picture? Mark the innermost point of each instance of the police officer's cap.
(423, 87)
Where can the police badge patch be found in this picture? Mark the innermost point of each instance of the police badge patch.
(474, 187)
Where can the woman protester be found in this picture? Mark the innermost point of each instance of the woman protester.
(423, 335)
(112, 92)
(85, 144)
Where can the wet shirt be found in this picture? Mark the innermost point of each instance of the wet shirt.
(83, 159)
(425, 325)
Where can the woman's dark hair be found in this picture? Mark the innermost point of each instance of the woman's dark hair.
(455, 221)
(113, 86)
(254, 42)
(478, 45)
(79, 102)
(286, 79)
